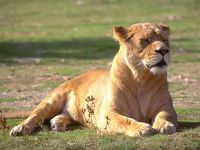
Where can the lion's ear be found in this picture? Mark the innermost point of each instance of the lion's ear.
(164, 27)
(120, 33)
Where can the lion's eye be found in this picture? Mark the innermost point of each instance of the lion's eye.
(165, 40)
(145, 41)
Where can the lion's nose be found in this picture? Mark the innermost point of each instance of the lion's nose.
(162, 51)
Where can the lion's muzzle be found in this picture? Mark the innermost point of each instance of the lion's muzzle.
(162, 51)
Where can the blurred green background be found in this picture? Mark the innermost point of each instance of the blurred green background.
(82, 29)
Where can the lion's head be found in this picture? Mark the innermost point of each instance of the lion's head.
(146, 46)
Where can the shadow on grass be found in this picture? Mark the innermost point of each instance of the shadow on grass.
(84, 48)
(185, 45)
(47, 127)
(188, 125)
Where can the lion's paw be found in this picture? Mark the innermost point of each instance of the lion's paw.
(142, 129)
(57, 125)
(19, 130)
(145, 130)
(166, 128)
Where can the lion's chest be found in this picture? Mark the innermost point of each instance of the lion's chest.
(140, 105)
(144, 106)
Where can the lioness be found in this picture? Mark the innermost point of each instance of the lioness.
(131, 98)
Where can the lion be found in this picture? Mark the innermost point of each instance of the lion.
(131, 98)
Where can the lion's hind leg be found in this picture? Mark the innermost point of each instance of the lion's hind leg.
(61, 122)
(51, 106)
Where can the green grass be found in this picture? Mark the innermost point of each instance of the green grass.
(67, 30)
(189, 114)
(44, 41)
(9, 99)
(83, 138)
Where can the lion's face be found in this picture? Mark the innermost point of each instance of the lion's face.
(146, 46)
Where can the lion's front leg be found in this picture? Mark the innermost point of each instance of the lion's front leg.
(165, 121)
(113, 123)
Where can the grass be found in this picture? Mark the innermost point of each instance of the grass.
(44, 43)
(81, 138)
(9, 100)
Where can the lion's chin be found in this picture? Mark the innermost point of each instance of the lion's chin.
(158, 70)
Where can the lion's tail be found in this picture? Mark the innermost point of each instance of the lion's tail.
(12, 115)
(15, 114)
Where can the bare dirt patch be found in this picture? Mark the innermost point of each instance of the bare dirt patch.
(185, 81)
(27, 85)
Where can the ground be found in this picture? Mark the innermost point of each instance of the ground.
(44, 43)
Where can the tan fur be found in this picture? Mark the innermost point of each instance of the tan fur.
(131, 98)
(3, 124)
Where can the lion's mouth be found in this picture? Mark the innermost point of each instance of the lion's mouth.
(162, 63)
